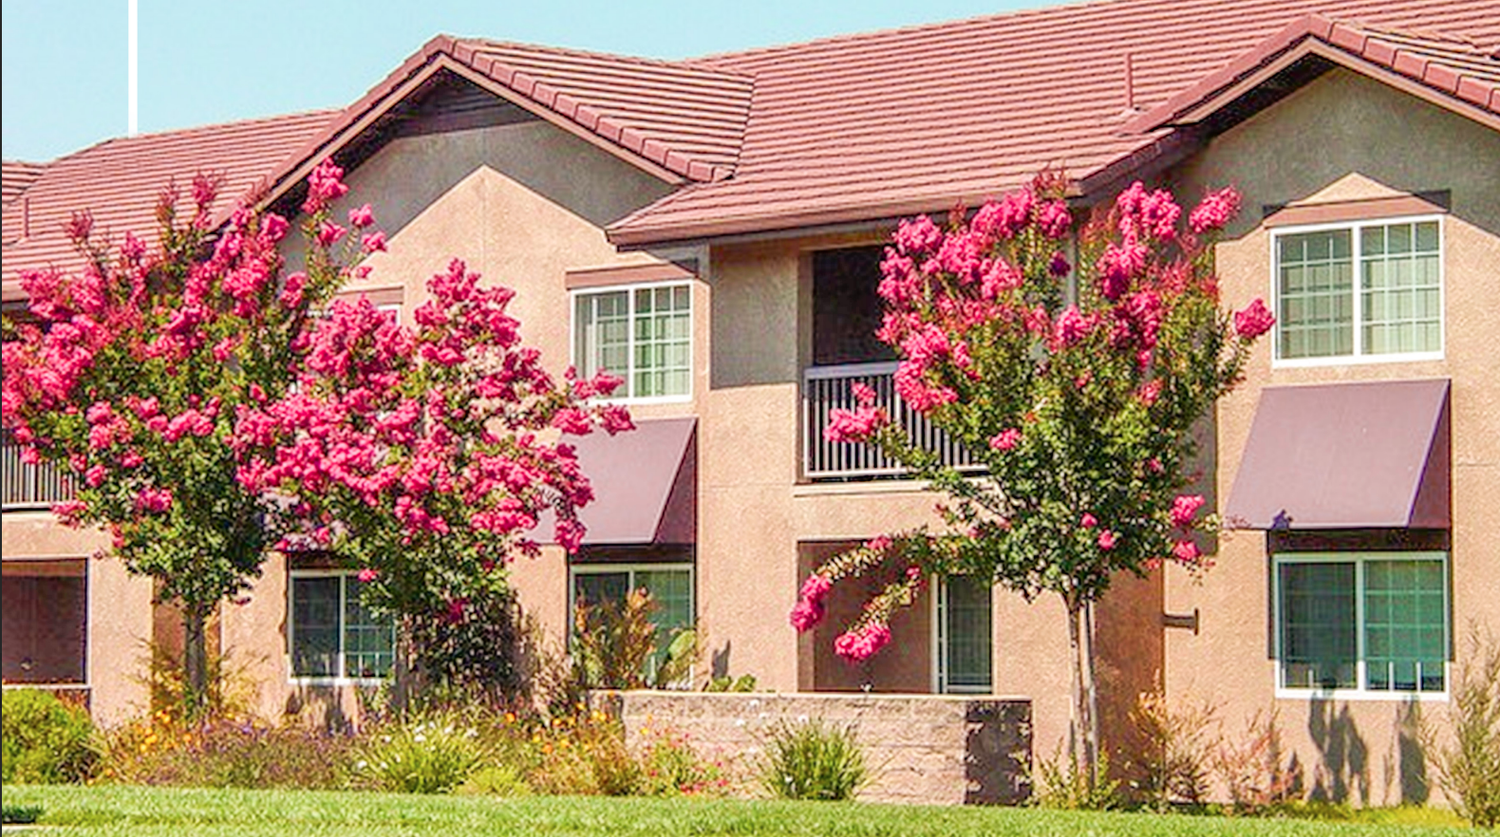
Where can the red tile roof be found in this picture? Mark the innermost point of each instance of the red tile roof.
(15, 177)
(1452, 71)
(679, 119)
(119, 180)
(878, 125)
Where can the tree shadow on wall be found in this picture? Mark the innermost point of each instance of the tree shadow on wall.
(1406, 763)
(1344, 768)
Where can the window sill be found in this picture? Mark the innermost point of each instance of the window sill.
(336, 681)
(1355, 360)
(1360, 695)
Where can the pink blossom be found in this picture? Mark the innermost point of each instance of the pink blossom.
(1254, 320)
(329, 233)
(1054, 220)
(1006, 439)
(1215, 210)
(368, 575)
(863, 394)
(806, 615)
(373, 242)
(1058, 267)
(324, 184)
(1149, 392)
(816, 588)
(1120, 265)
(879, 543)
(861, 645)
(153, 499)
(273, 227)
(1088, 521)
(1073, 326)
(1107, 540)
(918, 236)
(361, 217)
(1186, 552)
(1185, 508)
(855, 425)
(95, 476)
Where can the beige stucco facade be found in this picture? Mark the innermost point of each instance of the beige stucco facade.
(1346, 138)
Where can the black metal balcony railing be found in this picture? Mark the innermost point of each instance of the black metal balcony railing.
(25, 486)
(827, 387)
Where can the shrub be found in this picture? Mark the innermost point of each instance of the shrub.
(1251, 767)
(1176, 748)
(432, 754)
(495, 780)
(1062, 783)
(812, 760)
(1467, 761)
(220, 752)
(44, 740)
(583, 754)
(671, 767)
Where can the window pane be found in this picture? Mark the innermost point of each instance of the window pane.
(601, 341)
(1404, 625)
(596, 588)
(315, 626)
(1399, 286)
(1317, 625)
(369, 640)
(967, 631)
(1315, 290)
(662, 348)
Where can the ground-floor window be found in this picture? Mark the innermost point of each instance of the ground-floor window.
(46, 622)
(670, 586)
(332, 635)
(1373, 622)
(965, 638)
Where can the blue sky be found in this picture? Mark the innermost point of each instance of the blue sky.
(65, 61)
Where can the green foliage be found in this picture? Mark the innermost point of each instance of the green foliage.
(812, 760)
(1172, 760)
(1061, 782)
(615, 646)
(671, 766)
(495, 780)
(1467, 761)
(431, 754)
(743, 683)
(21, 814)
(473, 653)
(44, 740)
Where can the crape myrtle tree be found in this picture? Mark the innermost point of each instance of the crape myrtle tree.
(426, 455)
(1078, 398)
(131, 371)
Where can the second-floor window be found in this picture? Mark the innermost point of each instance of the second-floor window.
(642, 334)
(1356, 291)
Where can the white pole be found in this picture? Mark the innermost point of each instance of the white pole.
(134, 70)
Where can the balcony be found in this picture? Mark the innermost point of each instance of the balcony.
(827, 387)
(25, 486)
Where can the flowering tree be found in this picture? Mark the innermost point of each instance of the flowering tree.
(1080, 405)
(426, 455)
(132, 371)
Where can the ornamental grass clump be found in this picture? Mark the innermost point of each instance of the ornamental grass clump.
(1467, 760)
(813, 760)
(432, 754)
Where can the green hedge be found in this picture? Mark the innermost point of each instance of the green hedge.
(43, 740)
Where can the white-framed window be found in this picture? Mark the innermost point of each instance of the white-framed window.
(670, 586)
(642, 333)
(1373, 624)
(963, 635)
(1365, 291)
(331, 635)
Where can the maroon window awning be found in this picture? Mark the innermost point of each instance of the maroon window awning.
(645, 484)
(1346, 456)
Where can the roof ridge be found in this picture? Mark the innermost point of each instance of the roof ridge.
(665, 63)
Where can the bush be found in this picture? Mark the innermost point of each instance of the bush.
(1467, 763)
(44, 740)
(432, 754)
(672, 767)
(495, 780)
(220, 752)
(812, 760)
(1252, 768)
(1061, 783)
(1175, 752)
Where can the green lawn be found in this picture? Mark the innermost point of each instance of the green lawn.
(164, 811)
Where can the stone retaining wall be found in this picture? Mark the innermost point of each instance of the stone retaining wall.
(929, 749)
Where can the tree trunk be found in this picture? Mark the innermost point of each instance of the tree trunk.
(1091, 672)
(1083, 743)
(195, 659)
(404, 673)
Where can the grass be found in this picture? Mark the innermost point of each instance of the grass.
(141, 811)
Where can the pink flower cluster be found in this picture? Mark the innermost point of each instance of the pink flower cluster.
(860, 645)
(1216, 209)
(1006, 439)
(1256, 319)
(811, 604)
(1185, 509)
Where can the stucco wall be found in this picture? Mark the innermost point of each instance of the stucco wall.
(920, 749)
(1344, 137)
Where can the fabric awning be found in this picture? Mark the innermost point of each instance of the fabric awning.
(645, 484)
(1346, 456)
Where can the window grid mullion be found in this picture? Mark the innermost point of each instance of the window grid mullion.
(343, 670)
(630, 315)
(1361, 665)
(1357, 288)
